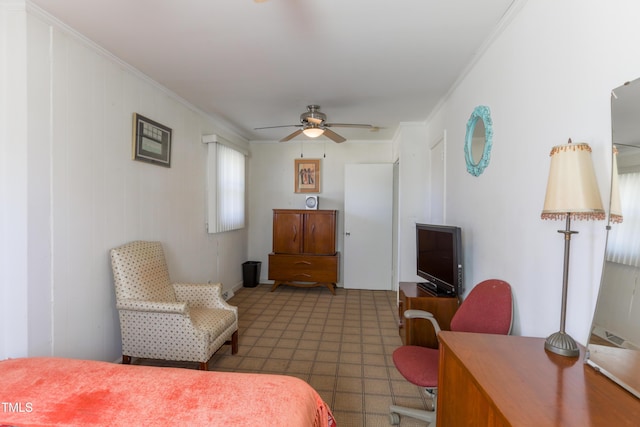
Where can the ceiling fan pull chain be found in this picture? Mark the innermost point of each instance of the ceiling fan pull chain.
(324, 149)
(301, 155)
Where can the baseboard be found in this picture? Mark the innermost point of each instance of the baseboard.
(227, 294)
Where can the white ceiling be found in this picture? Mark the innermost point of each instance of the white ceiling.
(257, 64)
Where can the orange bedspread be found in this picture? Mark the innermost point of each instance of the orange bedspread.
(68, 392)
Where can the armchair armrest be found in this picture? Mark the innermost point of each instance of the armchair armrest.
(153, 306)
(421, 314)
(207, 295)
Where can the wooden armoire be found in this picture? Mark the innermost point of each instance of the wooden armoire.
(304, 248)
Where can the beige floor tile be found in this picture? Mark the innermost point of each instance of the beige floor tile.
(376, 372)
(300, 366)
(352, 347)
(377, 404)
(282, 353)
(259, 352)
(350, 419)
(326, 368)
(278, 366)
(251, 364)
(266, 342)
(294, 335)
(323, 382)
(347, 384)
(327, 356)
(377, 386)
(344, 401)
(303, 354)
(346, 357)
(374, 359)
(349, 370)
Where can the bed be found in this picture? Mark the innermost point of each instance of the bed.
(68, 392)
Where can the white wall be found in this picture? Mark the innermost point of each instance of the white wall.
(271, 184)
(13, 180)
(546, 78)
(83, 194)
(413, 146)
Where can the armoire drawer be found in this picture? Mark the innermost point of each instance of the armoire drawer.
(303, 268)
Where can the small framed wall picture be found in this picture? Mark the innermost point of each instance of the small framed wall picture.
(151, 141)
(307, 175)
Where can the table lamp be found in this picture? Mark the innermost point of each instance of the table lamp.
(572, 192)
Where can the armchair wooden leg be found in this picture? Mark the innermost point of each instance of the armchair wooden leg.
(202, 366)
(234, 343)
(126, 360)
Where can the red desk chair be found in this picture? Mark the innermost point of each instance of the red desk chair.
(487, 309)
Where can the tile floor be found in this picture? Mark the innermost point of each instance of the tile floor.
(340, 344)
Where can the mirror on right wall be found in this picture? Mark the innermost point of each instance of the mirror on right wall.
(614, 342)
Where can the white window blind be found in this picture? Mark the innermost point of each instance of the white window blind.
(622, 245)
(226, 187)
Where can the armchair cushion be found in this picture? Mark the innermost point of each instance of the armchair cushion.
(208, 319)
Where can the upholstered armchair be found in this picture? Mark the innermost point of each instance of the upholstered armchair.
(164, 320)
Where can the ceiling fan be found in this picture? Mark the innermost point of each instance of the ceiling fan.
(313, 124)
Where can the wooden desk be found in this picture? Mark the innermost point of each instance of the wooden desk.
(420, 331)
(497, 380)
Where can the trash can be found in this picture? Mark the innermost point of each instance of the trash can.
(251, 274)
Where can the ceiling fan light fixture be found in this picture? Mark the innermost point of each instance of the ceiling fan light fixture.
(313, 132)
(313, 124)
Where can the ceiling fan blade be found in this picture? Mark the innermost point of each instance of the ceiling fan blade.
(291, 136)
(282, 126)
(348, 125)
(333, 136)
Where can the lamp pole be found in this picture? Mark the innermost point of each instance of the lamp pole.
(560, 342)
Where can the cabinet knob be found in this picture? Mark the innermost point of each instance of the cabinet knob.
(347, 233)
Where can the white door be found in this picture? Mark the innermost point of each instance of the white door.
(368, 216)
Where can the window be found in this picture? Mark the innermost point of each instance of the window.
(226, 188)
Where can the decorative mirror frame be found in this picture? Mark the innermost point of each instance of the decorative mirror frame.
(483, 113)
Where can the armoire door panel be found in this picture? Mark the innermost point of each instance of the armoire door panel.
(287, 232)
(320, 234)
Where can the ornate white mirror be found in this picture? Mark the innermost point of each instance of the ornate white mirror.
(478, 140)
(614, 342)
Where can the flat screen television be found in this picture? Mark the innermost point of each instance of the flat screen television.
(439, 258)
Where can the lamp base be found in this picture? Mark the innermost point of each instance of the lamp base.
(562, 344)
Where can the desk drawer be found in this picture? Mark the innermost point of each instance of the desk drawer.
(303, 268)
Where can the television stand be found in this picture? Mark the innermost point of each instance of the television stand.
(420, 331)
(433, 289)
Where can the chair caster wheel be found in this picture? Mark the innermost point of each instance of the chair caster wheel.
(394, 419)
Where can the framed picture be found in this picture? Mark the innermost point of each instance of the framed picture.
(307, 175)
(151, 141)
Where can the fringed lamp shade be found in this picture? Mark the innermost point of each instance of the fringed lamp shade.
(615, 210)
(572, 188)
